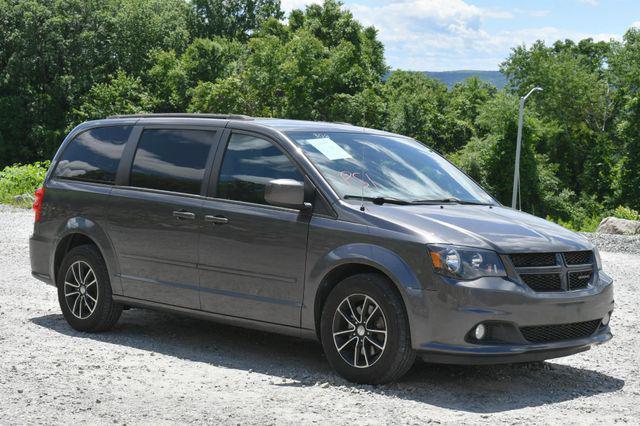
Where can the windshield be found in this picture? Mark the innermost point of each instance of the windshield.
(386, 167)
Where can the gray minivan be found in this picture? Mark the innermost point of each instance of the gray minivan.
(365, 240)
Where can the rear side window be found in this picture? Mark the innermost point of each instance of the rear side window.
(249, 163)
(94, 155)
(172, 160)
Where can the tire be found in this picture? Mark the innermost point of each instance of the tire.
(384, 310)
(84, 291)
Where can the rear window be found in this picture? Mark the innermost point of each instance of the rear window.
(172, 160)
(94, 155)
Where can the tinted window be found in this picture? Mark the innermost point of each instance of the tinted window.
(171, 160)
(248, 165)
(94, 155)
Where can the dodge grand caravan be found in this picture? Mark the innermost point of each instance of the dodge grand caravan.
(365, 240)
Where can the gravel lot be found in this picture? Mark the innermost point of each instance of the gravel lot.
(163, 369)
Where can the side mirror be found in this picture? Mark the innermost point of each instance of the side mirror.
(285, 193)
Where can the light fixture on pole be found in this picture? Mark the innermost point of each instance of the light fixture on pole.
(516, 171)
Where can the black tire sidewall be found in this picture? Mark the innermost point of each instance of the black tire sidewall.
(378, 288)
(90, 255)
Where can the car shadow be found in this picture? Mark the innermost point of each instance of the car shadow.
(477, 389)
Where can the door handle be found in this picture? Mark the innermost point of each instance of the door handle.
(216, 219)
(182, 214)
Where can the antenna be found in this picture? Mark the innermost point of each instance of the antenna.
(362, 177)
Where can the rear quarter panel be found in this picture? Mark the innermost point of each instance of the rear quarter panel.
(77, 207)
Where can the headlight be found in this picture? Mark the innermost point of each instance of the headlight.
(465, 263)
(598, 260)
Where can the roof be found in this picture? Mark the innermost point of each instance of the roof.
(274, 123)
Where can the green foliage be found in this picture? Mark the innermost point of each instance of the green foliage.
(625, 68)
(302, 70)
(583, 214)
(623, 212)
(21, 181)
(53, 52)
(120, 95)
(235, 19)
(229, 95)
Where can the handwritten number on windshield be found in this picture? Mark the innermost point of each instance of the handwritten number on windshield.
(366, 182)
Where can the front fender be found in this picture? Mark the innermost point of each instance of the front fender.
(371, 255)
(93, 231)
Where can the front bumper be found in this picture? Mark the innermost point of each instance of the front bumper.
(442, 322)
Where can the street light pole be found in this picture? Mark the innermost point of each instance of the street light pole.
(516, 171)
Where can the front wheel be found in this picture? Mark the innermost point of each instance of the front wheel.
(365, 331)
(84, 291)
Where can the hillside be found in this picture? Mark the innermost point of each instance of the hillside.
(452, 77)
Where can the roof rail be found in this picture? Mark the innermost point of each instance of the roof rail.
(185, 115)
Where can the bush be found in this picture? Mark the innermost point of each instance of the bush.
(586, 214)
(582, 213)
(623, 212)
(19, 182)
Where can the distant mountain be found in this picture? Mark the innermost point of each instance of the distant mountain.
(452, 77)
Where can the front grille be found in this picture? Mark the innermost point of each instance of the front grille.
(526, 260)
(558, 332)
(548, 272)
(543, 282)
(578, 257)
(578, 280)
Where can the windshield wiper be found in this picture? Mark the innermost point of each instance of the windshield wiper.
(390, 200)
(379, 200)
(452, 200)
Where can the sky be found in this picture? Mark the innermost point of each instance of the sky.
(443, 35)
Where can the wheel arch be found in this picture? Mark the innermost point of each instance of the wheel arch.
(80, 231)
(360, 258)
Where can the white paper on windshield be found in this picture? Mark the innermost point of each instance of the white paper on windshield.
(329, 148)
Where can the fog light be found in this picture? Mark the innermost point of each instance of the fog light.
(606, 319)
(480, 331)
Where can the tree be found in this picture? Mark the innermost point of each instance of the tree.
(304, 69)
(415, 107)
(625, 67)
(233, 19)
(168, 81)
(467, 98)
(230, 96)
(53, 52)
(120, 95)
(577, 99)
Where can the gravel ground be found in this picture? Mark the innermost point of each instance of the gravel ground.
(163, 369)
(615, 243)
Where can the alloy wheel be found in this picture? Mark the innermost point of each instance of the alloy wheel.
(81, 289)
(359, 330)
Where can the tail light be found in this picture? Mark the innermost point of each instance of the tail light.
(37, 203)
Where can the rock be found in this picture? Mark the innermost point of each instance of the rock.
(24, 198)
(613, 225)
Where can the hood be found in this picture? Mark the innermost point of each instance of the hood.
(497, 228)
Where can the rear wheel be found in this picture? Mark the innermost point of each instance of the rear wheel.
(84, 291)
(365, 331)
